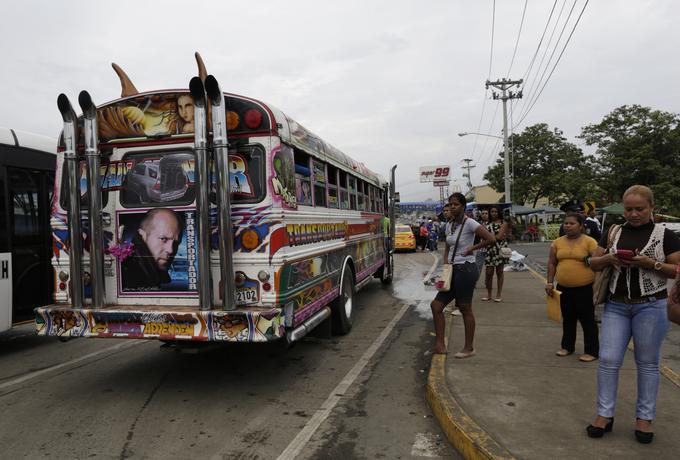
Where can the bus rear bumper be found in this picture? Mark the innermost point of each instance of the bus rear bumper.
(162, 323)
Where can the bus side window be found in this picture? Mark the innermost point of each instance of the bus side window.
(319, 183)
(332, 186)
(360, 195)
(303, 179)
(344, 198)
(352, 192)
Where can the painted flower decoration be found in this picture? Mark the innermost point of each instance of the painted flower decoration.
(122, 251)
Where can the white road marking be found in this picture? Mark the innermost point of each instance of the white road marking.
(427, 445)
(35, 374)
(434, 266)
(299, 442)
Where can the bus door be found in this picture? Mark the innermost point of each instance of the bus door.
(30, 193)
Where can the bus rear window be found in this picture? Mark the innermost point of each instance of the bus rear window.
(246, 175)
(64, 198)
(158, 179)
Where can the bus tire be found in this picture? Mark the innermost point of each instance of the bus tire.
(343, 307)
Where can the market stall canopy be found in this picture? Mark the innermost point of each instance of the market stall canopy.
(519, 210)
(616, 208)
(548, 210)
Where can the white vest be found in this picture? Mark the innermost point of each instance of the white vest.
(651, 281)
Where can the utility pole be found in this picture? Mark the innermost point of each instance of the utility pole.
(504, 85)
(468, 167)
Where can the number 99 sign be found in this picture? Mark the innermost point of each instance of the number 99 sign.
(432, 173)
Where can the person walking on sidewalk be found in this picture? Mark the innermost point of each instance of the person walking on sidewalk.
(566, 263)
(643, 256)
(460, 234)
(495, 260)
(480, 254)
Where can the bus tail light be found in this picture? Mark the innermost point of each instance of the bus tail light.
(253, 119)
(250, 239)
(62, 286)
(266, 286)
(232, 120)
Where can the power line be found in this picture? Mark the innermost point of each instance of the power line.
(519, 33)
(481, 117)
(533, 59)
(534, 80)
(557, 43)
(538, 48)
(556, 62)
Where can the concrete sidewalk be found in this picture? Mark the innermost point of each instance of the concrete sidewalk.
(515, 398)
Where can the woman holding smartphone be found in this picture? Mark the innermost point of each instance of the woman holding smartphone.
(647, 257)
(566, 263)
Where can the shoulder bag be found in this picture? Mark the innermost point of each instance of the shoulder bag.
(443, 283)
(602, 278)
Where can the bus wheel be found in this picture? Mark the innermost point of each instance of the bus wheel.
(343, 306)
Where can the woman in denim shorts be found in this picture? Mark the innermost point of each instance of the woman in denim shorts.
(465, 274)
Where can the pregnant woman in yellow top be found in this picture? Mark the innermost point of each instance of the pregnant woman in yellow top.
(567, 264)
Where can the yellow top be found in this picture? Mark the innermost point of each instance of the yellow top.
(572, 270)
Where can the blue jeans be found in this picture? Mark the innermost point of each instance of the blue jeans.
(647, 323)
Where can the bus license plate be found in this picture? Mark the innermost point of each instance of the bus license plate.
(247, 295)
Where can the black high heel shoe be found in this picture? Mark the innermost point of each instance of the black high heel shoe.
(597, 432)
(644, 437)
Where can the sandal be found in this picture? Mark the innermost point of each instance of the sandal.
(587, 358)
(485, 299)
(497, 299)
(563, 352)
(464, 354)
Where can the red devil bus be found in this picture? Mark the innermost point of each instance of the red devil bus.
(198, 215)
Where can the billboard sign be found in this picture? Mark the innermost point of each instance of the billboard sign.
(433, 173)
(441, 183)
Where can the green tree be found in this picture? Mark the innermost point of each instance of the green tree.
(545, 165)
(638, 145)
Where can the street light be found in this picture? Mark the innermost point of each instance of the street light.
(479, 134)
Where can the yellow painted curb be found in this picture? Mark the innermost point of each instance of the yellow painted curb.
(463, 433)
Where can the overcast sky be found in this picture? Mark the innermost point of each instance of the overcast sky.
(387, 82)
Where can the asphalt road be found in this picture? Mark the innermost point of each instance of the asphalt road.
(357, 396)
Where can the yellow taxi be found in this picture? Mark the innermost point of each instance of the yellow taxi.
(404, 239)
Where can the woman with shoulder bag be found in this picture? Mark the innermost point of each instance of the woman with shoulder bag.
(567, 264)
(642, 256)
(497, 255)
(460, 234)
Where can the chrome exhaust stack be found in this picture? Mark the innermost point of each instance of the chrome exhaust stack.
(221, 154)
(202, 197)
(91, 137)
(70, 136)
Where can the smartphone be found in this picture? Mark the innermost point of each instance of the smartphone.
(625, 254)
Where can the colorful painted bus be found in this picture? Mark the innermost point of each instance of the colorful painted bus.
(214, 217)
(27, 163)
